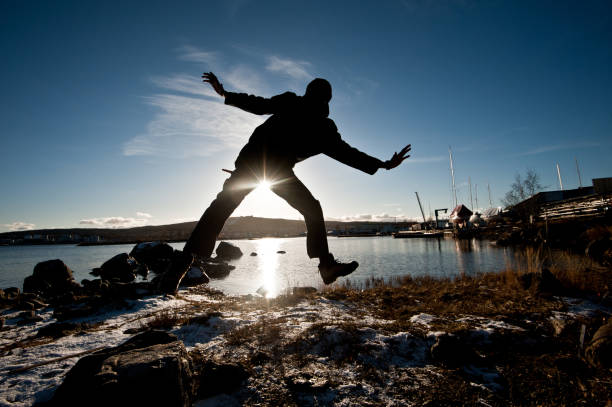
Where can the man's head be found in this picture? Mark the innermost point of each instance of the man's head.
(319, 89)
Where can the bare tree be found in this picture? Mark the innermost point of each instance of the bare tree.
(522, 189)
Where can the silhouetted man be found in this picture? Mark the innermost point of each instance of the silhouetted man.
(298, 129)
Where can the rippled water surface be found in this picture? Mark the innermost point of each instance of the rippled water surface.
(273, 271)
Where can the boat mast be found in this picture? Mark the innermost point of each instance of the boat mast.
(489, 188)
(471, 197)
(476, 194)
(578, 169)
(452, 170)
(559, 175)
(420, 206)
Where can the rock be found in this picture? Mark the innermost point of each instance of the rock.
(253, 254)
(28, 317)
(1, 322)
(11, 293)
(452, 350)
(117, 289)
(599, 351)
(217, 269)
(25, 306)
(152, 368)
(228, 251)
(156, 255)
(195, 276)
(29, 297)
(541, 282)
(50, 279)
(72, 311)
(216, 378)
(281, 252)
(121, 266)
(60, 329)
(96, 286)
(169, 281)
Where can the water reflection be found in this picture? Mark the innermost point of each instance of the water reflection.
(268, 266)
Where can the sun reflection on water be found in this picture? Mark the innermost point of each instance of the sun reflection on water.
(268, 266)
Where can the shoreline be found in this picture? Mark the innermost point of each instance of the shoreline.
(473, 340)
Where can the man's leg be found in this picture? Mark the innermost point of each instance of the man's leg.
(292, 190)
(203, 238)
(298, 196)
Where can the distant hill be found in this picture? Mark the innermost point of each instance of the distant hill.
(235, 228)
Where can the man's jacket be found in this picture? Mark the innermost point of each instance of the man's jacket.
(297, 129)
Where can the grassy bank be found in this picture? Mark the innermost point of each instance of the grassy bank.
(493, 339)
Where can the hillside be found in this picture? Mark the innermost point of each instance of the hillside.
(235, 228)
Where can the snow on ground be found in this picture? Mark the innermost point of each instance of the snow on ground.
(338, 326)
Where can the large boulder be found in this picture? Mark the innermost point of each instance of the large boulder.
(152, 368)
(217, 269)
(195, 276)
(122, 267)
(50, 279)
(599, 350)
(156, 255)
(228, 251)
(216, 378)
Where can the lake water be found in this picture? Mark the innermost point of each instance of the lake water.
(377, 256)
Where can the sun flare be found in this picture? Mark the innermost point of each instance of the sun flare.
(264, 184)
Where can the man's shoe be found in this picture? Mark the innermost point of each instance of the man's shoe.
(332, 269)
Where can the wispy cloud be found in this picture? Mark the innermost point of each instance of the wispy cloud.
(368, 217)
(193, 54)
(557, 147)
(243, 79)
(184, 83)
(294, 69)
(430, 159)
(116, 221)
(144, 215)
(189, 126)
(192, 121)
(18, 226)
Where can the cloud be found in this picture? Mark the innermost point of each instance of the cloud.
(556, 147)
(189, 126)
(18, 226)
(144, 215)
(90, 222)
(114, 222)
(430, 159)
(192, 121)
(185, 83)
(193, 54)
(294, 69)
(366, 217)
(243, 79)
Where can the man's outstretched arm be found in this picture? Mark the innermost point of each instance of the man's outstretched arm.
(249, 103)
(340, 150)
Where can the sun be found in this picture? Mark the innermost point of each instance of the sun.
(264, 184)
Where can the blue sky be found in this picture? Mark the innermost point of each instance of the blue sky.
(104, 120)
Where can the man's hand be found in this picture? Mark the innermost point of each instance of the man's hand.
(214, 82)
(397, 158)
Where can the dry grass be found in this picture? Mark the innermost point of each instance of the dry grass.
(266, 331)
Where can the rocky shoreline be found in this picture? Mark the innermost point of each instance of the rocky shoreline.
(513, 338)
